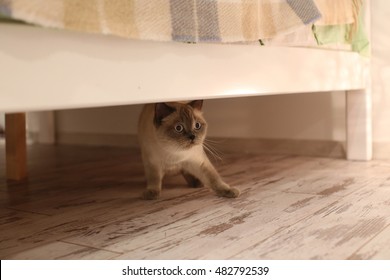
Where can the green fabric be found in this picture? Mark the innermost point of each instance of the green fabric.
(331, 34)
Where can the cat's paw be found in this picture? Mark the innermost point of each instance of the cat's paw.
(150, 194)
(230, 193)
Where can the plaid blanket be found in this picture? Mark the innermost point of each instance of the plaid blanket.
(169, 20)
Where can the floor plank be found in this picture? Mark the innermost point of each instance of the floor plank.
(84, 202)
(62, 251)
(333, 232)
(377, 249)
(223, 231)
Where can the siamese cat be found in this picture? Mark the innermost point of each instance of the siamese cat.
(171, 137)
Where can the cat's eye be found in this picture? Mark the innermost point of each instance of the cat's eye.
(198, 125)
(179, 128)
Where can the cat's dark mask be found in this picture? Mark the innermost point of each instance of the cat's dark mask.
(163, 110)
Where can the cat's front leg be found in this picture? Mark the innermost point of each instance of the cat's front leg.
(209, 176)
(154, 176)
(191, 180)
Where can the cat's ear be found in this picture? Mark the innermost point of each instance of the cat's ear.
(196, 104)
(161, 111)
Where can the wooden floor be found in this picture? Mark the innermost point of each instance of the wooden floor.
(84, 203)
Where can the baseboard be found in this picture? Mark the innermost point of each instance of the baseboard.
(318, 148)
(332, 149)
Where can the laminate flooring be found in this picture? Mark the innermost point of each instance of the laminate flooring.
(84, 203)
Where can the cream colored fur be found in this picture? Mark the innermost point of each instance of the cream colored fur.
(161, 155)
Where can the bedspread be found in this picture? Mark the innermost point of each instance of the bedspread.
(169, 20)
(305, 23)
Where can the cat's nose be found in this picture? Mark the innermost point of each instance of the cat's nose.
(191, 136)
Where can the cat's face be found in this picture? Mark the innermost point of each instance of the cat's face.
(180, 126)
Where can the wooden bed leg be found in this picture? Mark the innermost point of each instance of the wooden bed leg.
(359, 125)
(16, 150)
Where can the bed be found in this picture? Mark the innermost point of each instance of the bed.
(89, 64)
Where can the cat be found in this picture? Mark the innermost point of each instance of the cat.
(171, 137)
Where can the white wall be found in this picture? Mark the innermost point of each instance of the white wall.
(380, 73)
(313, 116)
(318, 116)
(381, 70)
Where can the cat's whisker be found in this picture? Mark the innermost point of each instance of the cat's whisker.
(211, 144)
(214, 141)
(212, 151)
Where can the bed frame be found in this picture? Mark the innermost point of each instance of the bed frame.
(44, 69)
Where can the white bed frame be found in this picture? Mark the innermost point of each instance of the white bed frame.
(44, 69)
